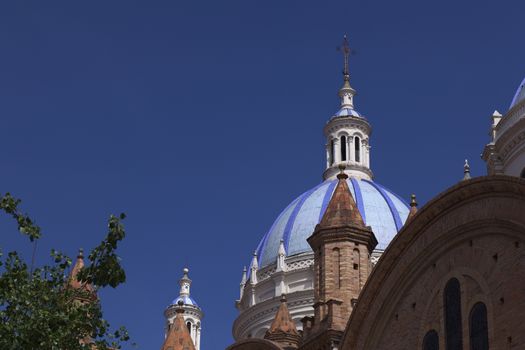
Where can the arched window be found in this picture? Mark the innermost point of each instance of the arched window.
(357, 145)
(320, 269)
(431, 341)
(522, 175)
(452, 303)
(356, 257)
(332, 151)
(189, 326)
(479, 333)
(337, 267)
(343, 148)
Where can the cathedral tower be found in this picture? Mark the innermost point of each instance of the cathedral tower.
(342, 246)
(282, 261)
(191, 312)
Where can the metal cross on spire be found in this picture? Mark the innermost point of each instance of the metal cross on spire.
(345, 48)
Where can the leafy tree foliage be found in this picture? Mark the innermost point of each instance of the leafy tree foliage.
(38, 307)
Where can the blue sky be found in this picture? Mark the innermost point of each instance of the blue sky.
(203, 120)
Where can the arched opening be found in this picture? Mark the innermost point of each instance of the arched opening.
(431, 341)
(357, 146)
(452, 304)
(343, 148)
(356, 257)
(320, 270)
(332, 151)
(188, 325)
(479, 330)
(522, 175)
(337, 267)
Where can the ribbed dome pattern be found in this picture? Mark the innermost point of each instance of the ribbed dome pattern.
(348, 112)
(380, 208)
(186, 300)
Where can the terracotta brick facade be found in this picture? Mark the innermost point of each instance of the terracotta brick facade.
(473, 233)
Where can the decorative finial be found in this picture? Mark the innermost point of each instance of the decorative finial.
(283, 298)
(80, 253)
(185, 270)
(345, 48)
(413, 202)
(342, 175)
(413, 208)
(466, 171)
(180, 309)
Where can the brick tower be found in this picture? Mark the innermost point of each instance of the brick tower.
(342, 245)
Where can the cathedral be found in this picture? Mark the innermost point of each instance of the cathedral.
(350, 265)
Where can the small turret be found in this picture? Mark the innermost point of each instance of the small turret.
(75, 284)
(413, 208)
(281, 256)
(283, 330)
(178, 337)
(191, 313)
(466, 171)
(243, 282)
(253, 269)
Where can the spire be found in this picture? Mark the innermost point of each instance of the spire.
(243, 279)
(243, 283)
(73, 281)
(178, 337)
(413, 207)
(466, 171)
(283, 330)
(346, 93)
(281, 255)
(185, 283)
(253, 269)
(342, 209)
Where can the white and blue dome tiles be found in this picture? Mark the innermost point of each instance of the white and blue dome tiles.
(519, 95)
(186, 300)
(348, 112)
(380, 208)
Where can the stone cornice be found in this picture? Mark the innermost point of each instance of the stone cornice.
(350, 233)
(188, 310)
(337, 123)
(268, 308)
(334, 170)
(516, 112)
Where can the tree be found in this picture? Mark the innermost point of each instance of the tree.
(38, 307)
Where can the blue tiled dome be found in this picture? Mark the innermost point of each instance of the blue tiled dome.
(519, 95)
(381, 209)
(186, 300)
(348, 112)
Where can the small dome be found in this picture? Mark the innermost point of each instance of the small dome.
(186, 300)
(519, 95)
(348, 112)
(380, 208)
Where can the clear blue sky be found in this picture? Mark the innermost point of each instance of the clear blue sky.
(202, 120)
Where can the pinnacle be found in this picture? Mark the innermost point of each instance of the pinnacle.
(178, 337)
(342, 209)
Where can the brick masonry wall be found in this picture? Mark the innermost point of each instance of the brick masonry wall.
(474, 232)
